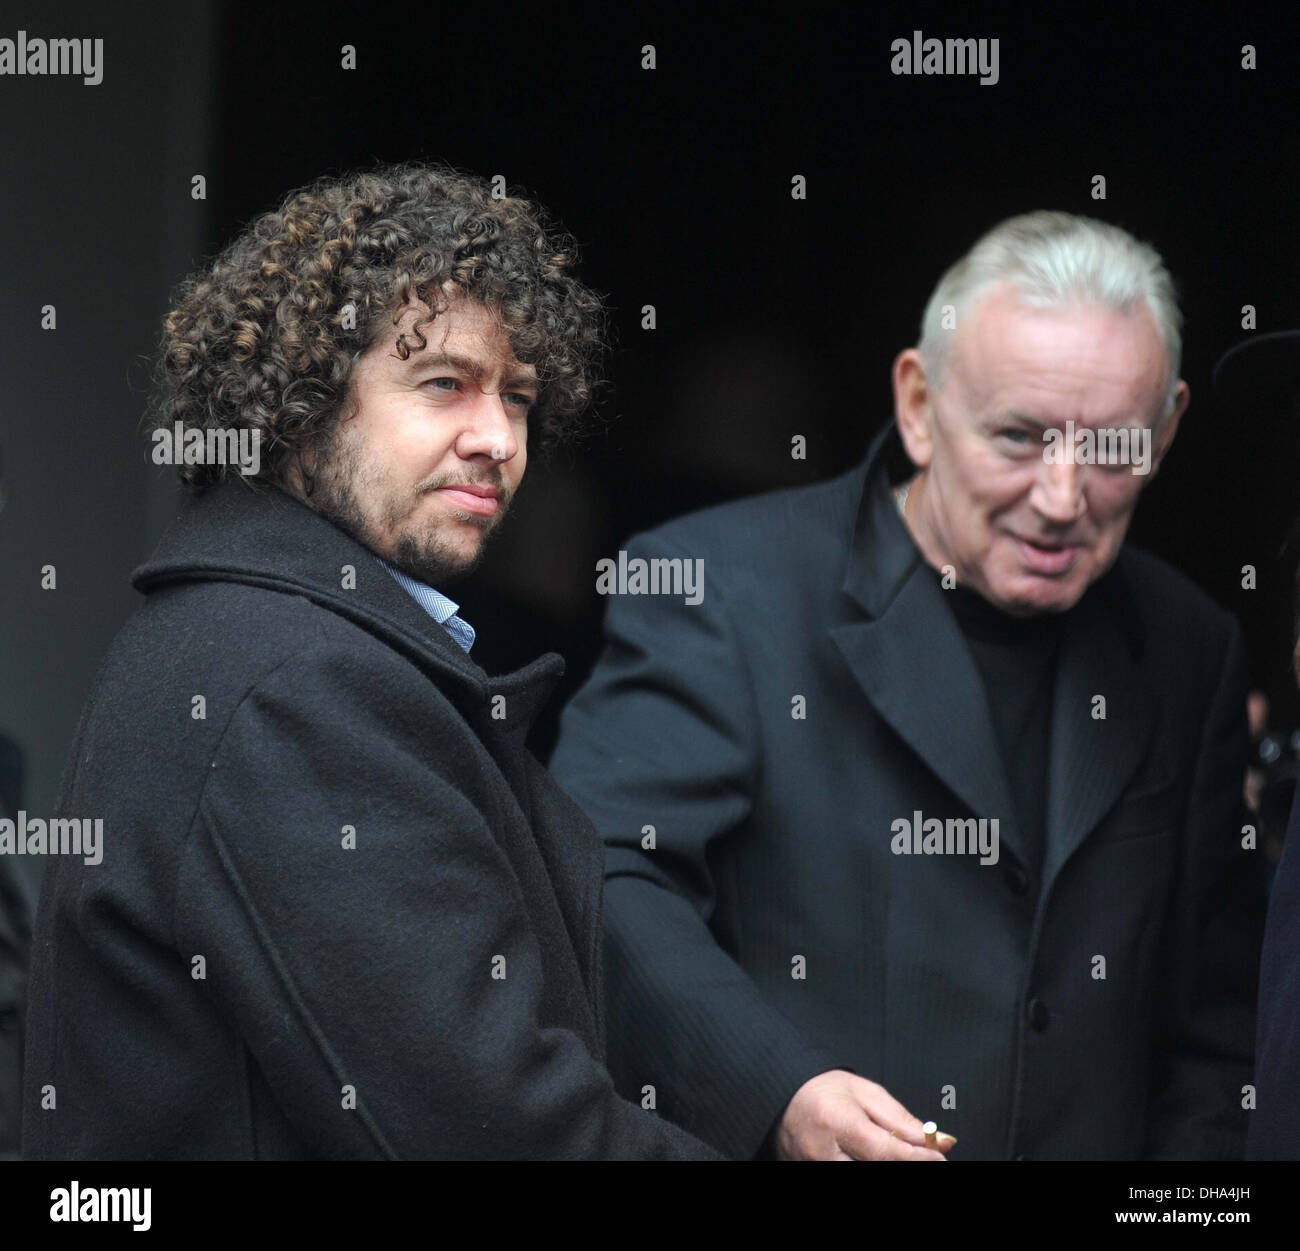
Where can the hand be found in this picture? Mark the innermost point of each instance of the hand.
(840, 1116)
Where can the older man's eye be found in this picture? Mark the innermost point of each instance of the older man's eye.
(434, 382)
(1013, 434)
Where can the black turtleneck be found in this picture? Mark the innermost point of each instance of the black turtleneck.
(1016, 658)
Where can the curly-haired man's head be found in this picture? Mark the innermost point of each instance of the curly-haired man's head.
(390, 335)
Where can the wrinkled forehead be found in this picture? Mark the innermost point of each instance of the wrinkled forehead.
(1004, 337)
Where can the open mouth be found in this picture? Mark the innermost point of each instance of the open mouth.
(1048, 559)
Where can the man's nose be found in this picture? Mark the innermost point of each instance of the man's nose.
(1058, 492)
(488, 430)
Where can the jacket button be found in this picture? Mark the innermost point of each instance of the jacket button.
(1016, 878)
(1022, 1157)
(1038, 1015)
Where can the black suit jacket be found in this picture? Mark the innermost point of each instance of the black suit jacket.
(971, 992)
(234, 980)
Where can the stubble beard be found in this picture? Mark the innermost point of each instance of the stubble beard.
(344, 478)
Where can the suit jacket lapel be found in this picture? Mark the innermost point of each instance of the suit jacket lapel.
(916, 669)
(1093, 756)
(912, 662)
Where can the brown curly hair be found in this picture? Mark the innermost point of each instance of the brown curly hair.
(258, 338)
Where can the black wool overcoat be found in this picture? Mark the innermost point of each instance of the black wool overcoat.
(341, 911)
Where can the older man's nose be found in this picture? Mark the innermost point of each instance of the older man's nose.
(1058, 494)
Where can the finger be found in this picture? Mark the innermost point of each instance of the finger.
(930, 1136)
(889, 1114)
(936, 1140)
(864, 1140)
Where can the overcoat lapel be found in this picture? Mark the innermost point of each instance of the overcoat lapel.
(260, 536)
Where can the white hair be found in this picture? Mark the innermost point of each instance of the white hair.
(1054, 259)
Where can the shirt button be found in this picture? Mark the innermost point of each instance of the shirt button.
(1038, 1015)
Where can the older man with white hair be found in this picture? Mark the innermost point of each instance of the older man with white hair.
(929, 808)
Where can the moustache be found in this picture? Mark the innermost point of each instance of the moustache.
(494, 481)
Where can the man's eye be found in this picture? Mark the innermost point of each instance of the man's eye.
(436, 383)
(522, 401)
(1013, 435)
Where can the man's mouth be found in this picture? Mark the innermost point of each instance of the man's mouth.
(1048, 559)
(472, 497)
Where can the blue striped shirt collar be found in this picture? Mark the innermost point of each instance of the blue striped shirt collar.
(438, 606)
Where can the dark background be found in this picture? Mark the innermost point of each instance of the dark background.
(776, 317)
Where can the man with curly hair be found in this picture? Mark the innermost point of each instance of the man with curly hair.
(341, 912)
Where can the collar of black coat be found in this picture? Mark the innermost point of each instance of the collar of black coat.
(904, 647)
(258, 535)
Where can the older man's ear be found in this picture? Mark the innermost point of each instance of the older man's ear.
(912, 409)
(1165, 439)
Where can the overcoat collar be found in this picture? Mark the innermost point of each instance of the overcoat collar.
(906, 651)
(261, 536)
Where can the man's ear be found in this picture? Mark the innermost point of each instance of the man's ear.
(299, 474)
(1164, 440)
(912, 408)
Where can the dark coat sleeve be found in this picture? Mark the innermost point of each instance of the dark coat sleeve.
(1275, 1123)
(15, 941)
(360, 981)
(1205, 1045)
(665, 734)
